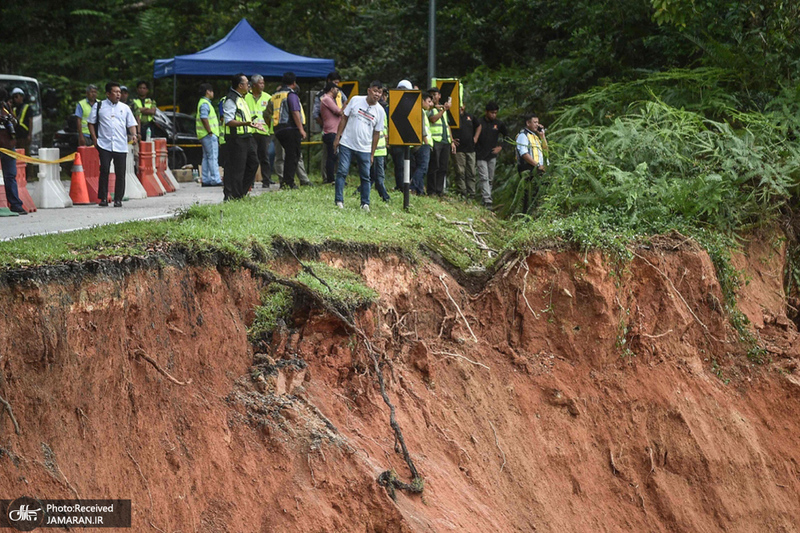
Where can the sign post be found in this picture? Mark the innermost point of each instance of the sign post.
(405, 129)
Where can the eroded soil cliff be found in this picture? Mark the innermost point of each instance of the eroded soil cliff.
(569, 394)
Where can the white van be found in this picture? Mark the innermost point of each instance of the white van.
(34, 98)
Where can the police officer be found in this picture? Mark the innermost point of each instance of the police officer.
(144, 108)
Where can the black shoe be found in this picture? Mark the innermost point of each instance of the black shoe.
(103, 203)
(18, 210)
(117, 204)
(211, 184)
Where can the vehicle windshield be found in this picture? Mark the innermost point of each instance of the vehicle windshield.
(31, 92)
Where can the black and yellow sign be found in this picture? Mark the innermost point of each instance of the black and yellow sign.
(448, 88)
(405, 117)
(349, 88)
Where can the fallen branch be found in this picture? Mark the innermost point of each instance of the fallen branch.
(7, 407)
(441, 278)
(497, 443)
(455, 355)
(141, 353)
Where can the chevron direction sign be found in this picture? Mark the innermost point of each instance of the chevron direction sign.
(405, 117)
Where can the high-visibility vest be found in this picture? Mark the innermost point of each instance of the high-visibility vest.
(534, 146)
(380, 150)
(139, 104)
(426, 129)
(213, 120)
(222, 127)
(22, 116)
(438, 128)
(257, 109)
(86, 107)
(242, 114)
(280, 107)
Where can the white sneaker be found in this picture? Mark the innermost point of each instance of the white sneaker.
(340, 205)
(365, 208)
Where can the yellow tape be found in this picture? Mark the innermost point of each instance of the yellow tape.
(29, 159)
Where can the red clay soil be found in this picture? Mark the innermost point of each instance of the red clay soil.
(571, 394)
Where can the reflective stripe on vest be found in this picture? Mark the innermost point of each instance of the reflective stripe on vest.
(21, 117)
(257, 109)
(280, 108)
(243, 115)
(534, 147)
(213, 120)
(140, 104)
(380, 150)
(86, 107)
(222, 127)
(426, 129)
(437, 128)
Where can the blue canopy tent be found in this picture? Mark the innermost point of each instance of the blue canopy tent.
(242, 50)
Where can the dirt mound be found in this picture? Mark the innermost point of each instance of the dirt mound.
(570, 394)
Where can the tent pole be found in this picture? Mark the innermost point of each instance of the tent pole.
(174, 116)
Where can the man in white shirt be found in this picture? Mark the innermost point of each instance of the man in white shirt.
(359, 131)
(111, 125)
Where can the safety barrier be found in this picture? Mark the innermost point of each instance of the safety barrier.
(157, 167)
(163, 156)
(50, 194)
(133, 187)
(22, 184)
(147, 177)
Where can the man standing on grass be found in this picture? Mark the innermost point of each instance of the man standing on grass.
(258, 100)
(359, 131)
(242, 159)
(108, 123)
(487, 146)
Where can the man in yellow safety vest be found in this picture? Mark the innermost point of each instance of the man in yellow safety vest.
(82, 111)
(207, 129)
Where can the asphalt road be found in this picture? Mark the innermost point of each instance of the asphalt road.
(46, 221)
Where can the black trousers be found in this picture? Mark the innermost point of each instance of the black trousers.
(290, 140)
(437, 168)
(262, 149)
(119, 169)
(333, 158)
(241, 166)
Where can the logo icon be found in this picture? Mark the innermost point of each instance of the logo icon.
(25, 514)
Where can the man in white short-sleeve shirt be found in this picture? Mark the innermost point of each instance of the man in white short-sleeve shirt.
(359, 131)
(108, 123)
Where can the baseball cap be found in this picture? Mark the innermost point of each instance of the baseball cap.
(17, 90)
(404, 84)
(123, 88)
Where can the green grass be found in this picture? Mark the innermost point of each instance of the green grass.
(347, 289)
(304, 215)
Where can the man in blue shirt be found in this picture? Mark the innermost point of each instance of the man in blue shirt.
(108, 123)
(289, 129)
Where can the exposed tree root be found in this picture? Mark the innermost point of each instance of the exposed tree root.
(474, 338)
(387, 479)
(141, 353)
(7, 407)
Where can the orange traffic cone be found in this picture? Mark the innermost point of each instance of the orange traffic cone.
(77, 186)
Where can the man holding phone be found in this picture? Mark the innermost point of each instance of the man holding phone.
(442, 144)
(531, 144)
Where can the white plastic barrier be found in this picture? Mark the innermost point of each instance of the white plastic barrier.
(133, 187)
(50, 194)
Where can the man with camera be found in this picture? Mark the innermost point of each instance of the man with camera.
(8, 127)
(531, 144)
